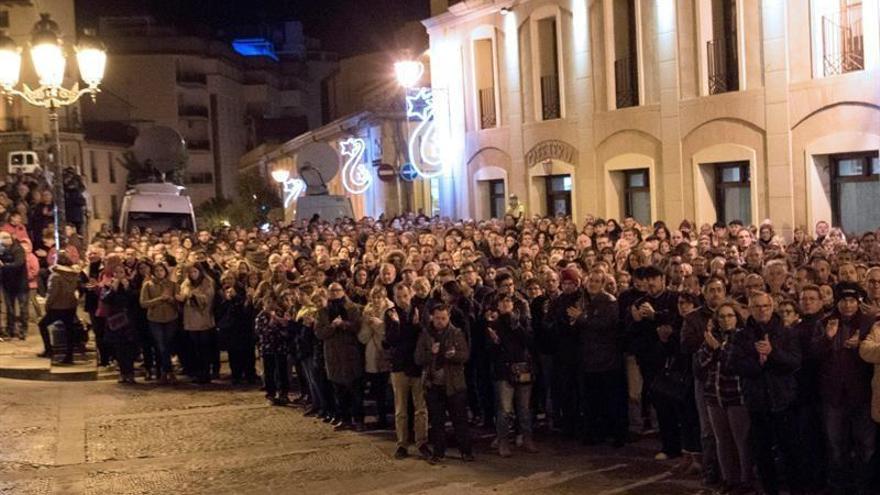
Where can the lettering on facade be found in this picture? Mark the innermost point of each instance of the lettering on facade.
(551, 149)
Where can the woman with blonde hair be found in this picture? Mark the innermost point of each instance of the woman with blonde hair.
(197, 295)
(376, 364)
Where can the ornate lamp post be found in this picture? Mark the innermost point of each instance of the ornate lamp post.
(49, 59)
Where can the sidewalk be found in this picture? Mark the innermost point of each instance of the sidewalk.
(18, 359)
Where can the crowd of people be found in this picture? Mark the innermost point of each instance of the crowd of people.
(753, 354)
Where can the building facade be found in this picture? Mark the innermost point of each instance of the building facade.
(221, 100)
(662, 109)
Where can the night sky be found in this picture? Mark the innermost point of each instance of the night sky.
(347, 27)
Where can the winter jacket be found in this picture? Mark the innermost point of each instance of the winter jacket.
(159, 309)
(198, 305)
(272, 335)
(33, 270)
(600, 335)
(869, 350)
(14, 269)
(808, 374)
(343, 355)
(719, 388)
(844, 377)
(440, 370)
(372, 334)
(770, 387)
(642, 336)
(62, 286)
(514, 343)
(400, 341)
(560, 331)
(116, 301)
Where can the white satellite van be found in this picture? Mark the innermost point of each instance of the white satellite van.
(157, 206)
(25, 162)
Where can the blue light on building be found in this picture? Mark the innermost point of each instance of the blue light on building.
(255, 47)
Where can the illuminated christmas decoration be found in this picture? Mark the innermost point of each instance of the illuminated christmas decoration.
(356, 177)
(428, 162)
(293, 188)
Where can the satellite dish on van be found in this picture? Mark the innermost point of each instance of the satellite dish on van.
(161, 147)
(317, 164)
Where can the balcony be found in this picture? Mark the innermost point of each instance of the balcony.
(488, 117)
(193, 111)
(550, 108)
(198, 145)
(722, 66)
(191, 79)
(16, 124)
(843, 46)
(626, 83)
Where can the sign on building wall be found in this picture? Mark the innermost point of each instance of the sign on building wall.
(551, 149)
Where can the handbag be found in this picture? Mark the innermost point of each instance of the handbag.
(671, 384)
(521, 373)
(117, 321)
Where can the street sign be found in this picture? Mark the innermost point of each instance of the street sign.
(408, 172)
(386, 172)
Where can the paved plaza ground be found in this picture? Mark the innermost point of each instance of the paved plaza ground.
(97, 437)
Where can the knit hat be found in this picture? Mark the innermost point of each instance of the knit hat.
(570, 275)
(847, 289)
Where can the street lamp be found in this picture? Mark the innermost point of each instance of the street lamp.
(49, 59)
(408, 72)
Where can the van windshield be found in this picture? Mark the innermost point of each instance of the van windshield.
(160, 222)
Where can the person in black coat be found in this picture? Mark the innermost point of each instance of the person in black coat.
(120, 299)
(235, 323)
(509, 345)
(604, 387)
(560, 325)
(766, 357)
(13, 272)
(845, 391)
(651, 324)
(402, 330)
(808, 406)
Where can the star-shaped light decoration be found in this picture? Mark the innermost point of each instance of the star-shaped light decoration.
(420, 104)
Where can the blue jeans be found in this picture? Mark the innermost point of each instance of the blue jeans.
(850, 429)
(163, 335)
(505, 394)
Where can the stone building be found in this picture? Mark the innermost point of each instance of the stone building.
(662, 109)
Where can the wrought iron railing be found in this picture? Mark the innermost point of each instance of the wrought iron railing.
(626, 88)
(550, 104)
(488, 117)
(843, 47)
(722, 67)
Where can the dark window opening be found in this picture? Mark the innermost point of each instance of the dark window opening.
(733, 192)
(497, 202)
(637, 195)
(558, 195)
(855, 191)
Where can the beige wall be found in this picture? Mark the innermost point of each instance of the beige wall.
(783, 118)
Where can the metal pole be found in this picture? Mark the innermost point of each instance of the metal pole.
(57, 183)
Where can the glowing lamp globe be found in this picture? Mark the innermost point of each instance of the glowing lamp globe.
(91, 56)
(408, 72)
(47, 53)
(280, 175)
(10, 62)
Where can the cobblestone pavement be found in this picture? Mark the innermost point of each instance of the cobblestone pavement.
(100, 438)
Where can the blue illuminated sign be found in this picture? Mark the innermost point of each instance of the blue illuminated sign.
(254, 47)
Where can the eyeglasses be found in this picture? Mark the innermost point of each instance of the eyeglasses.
(873, 281)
